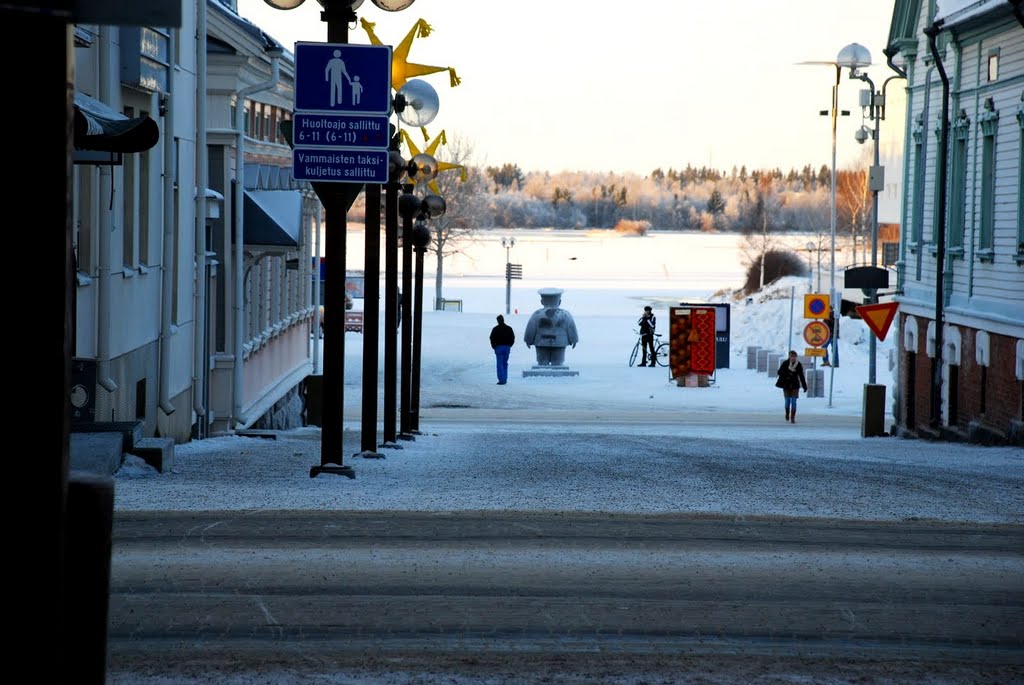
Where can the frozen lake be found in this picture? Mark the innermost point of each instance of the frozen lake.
(629, 271)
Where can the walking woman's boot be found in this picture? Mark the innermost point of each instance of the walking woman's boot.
(787, 413)
(792, 416)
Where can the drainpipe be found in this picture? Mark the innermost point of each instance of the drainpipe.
(239, 253)
(167, 294)
(106, 226)
(200, 356)
(940, 227)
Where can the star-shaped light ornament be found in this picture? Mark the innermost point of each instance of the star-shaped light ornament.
(425, 166)
(401, 69)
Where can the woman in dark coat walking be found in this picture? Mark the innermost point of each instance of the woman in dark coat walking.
(791, 380)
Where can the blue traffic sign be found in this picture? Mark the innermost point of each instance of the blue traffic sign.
(340, 165)
(342, 78)
(340, 130)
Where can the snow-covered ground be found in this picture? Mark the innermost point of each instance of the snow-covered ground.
(614, 437)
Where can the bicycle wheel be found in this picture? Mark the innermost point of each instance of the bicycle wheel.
(634, 353)
(662, 352)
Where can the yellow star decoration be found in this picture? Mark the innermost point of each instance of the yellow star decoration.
(401, 69)
(441, 166)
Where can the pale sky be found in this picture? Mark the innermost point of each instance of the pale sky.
(579, 85)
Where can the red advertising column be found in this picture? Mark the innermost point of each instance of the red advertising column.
(692, 341)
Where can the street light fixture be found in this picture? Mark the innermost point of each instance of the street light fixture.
(386, 5)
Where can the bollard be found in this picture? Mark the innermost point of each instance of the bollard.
(314, 400)
(815, 383)
(873, 421)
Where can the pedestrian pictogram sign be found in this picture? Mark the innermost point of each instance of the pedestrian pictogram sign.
(878, 317)
(816, 333)
(342, 78)
(816, 306)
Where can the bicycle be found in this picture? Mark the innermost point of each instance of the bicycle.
(660, 350)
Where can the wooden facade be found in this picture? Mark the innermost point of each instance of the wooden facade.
(961, 253)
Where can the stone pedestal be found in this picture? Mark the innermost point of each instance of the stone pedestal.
(549, 370)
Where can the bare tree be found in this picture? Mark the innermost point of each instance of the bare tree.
(853, 203)
(464, 191)
(757, 240)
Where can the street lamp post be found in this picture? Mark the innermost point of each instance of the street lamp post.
(416, 104)
(853, 56)
(336, 199)
(432, 206)
(405, 201)
(508, 244)
(834, 112)
(810, 267)
(875, 183)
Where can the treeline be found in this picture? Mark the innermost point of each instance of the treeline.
(689, 199)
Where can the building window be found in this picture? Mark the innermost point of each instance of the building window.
(917, 203)
(938, 195)
(988, 186)
(993, 66)
(145, 224)
(131, 211)
(988, 122)
(958, 182)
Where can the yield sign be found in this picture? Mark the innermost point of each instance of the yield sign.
(878, 317)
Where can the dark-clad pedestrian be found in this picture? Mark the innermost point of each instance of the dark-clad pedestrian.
(502, 340)
(648, 323)
(791, 379)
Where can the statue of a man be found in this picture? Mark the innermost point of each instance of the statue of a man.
(551, 329)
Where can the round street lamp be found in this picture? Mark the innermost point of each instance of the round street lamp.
(386, 5)
(416, 103)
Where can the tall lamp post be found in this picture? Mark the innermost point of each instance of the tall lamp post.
(421, 170)
(875, 183)
(874, 102)
(853, 56)
(810, 267)
(336, 198)
(508, 244)
(433, 206)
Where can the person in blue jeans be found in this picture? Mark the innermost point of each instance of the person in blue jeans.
(502, 340)
(791, 379)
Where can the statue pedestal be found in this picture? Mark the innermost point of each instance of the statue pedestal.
(549, 370)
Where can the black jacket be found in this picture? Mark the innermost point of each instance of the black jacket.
(791, 380)
(502, 334)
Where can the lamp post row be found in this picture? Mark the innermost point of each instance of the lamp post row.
(337, 198)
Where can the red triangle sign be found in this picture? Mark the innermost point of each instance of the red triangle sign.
(879, 317)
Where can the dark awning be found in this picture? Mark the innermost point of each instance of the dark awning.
(98, 127)
(272, 219)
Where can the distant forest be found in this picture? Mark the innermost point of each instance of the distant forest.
(761, 204)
